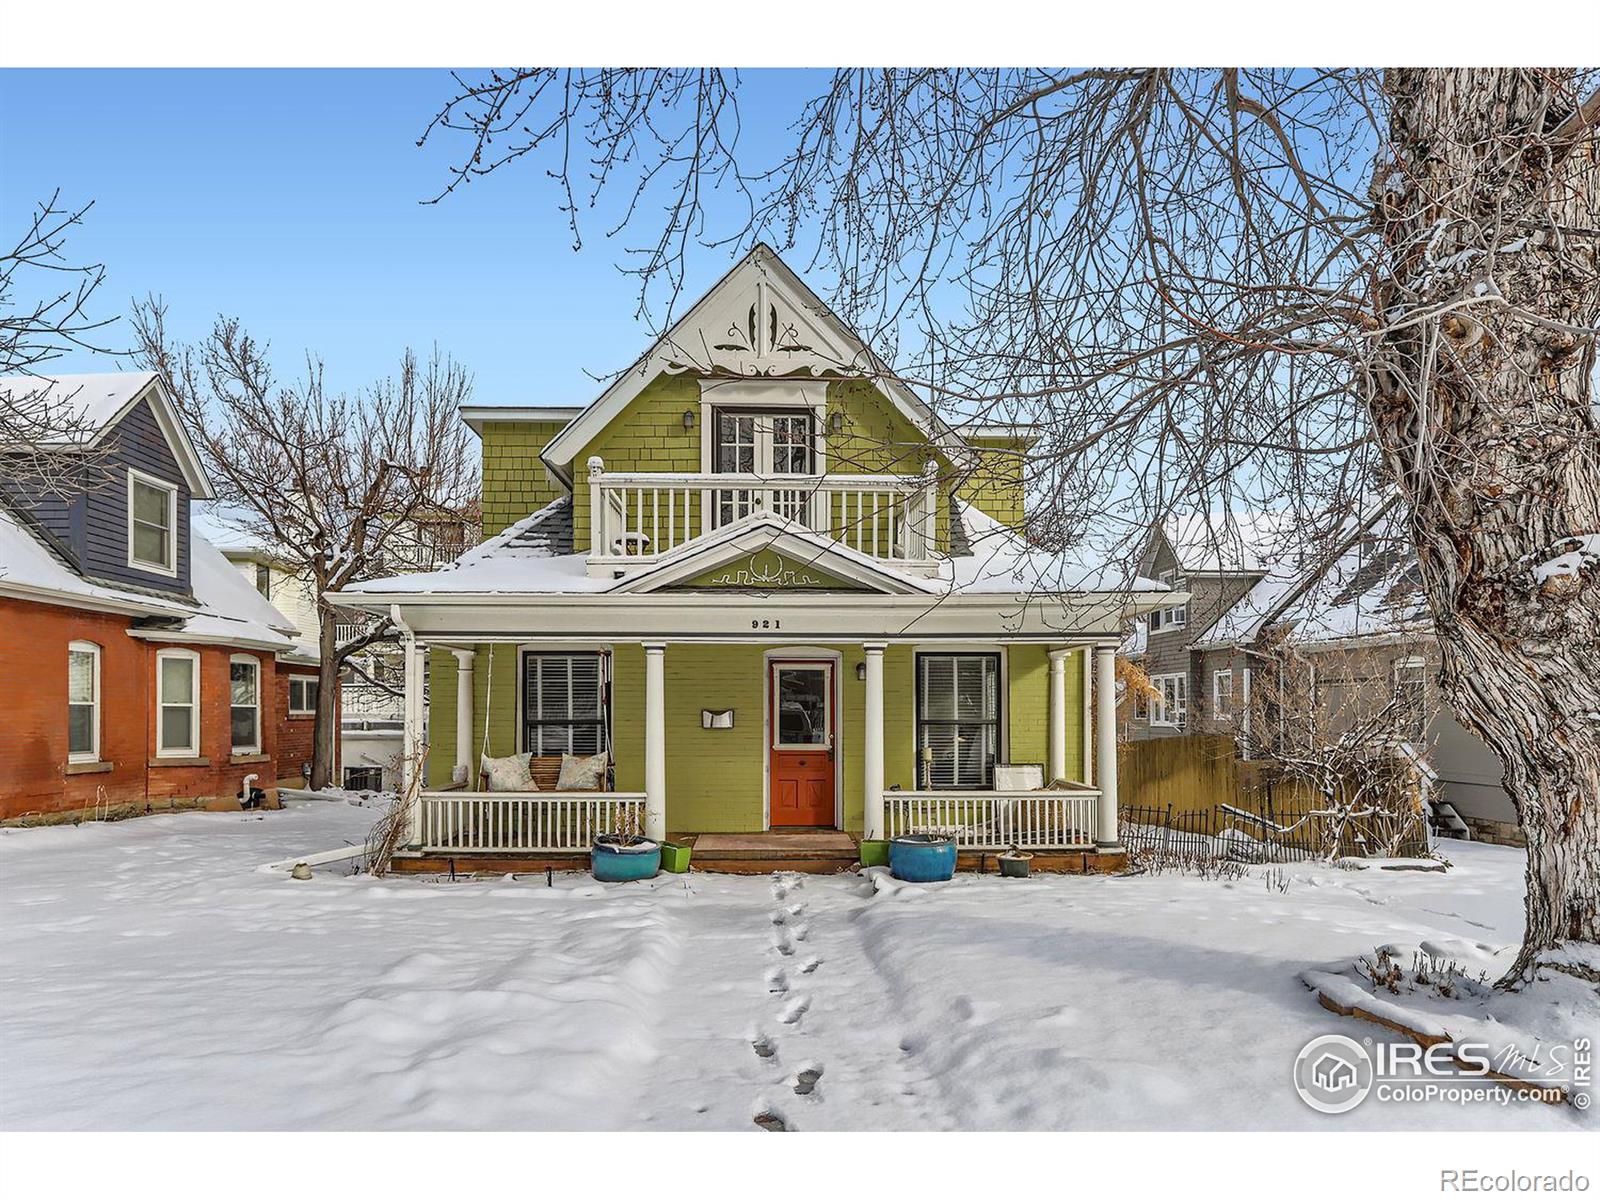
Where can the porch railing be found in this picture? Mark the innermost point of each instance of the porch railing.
(1052, 820)
(636, 516)
(518, 821)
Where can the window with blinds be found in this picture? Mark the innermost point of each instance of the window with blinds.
(564, 708)
(958, 719)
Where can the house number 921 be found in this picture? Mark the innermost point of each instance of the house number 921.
(766, 624)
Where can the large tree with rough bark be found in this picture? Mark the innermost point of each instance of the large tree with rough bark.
(340, 487)
(1209, 289)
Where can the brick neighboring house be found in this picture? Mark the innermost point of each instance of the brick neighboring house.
(1354, 620)
(152, 674)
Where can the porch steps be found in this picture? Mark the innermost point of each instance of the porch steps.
(809, 851)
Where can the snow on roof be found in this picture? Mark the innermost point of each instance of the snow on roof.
(530, 555)
(1368, 588)
(225, 608)
(1230, 541)
(535, 556)
(82, 408)
(1000, 561)
(87, 401)
(231, 601)
(28, 569)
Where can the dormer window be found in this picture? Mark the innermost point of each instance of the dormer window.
(152, 524)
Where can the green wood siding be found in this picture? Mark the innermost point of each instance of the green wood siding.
(714, 776)
(515, 481)
(995, 483)
(648, 435)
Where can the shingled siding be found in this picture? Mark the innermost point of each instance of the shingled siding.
(647, 435)
(995, 483)
(515, 481)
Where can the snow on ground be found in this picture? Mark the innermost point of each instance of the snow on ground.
(152, 977)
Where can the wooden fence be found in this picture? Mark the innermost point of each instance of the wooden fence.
(1190, 791)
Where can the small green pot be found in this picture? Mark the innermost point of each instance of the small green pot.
(1014, 866)
(675, 857)
(874, 853)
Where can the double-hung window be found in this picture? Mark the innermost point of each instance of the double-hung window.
(152, 524)
(564, 704)
(244, 703)
(1174, 616)
(1173, 706)
(83, 702)
(302, 696)
(958, 719)
(178, 704)
(1222, 695)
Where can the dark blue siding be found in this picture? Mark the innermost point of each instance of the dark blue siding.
(136, 442)
(93, 525)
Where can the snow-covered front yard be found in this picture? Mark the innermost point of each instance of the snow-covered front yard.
(152, 977)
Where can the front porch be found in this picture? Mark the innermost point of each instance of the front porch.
(676, 773)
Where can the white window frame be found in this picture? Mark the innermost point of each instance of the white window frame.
(1418, 664)
(1159, 714)
(305, 681)
(93, 753)
(1216, 694)
(193, 659)
(139, 564)
(250, 660)
(1175, 616)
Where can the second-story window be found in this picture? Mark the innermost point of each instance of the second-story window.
(751, 442)
(152, 524)
(264, 580)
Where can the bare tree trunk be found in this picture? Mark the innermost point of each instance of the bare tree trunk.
(322, 764)
(1483, 408)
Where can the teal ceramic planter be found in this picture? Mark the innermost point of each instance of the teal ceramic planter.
(611, 863)
(922, 858)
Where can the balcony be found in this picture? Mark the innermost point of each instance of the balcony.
(637, 516)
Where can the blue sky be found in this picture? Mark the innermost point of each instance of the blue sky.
(291, 200)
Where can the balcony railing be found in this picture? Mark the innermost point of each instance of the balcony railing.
(637, 516)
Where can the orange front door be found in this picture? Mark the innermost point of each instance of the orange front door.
(801, 746)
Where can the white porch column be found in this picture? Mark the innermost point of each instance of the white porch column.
(466, 769)
(1106, 745)
(655, 741)
(411, 738)
(1058, 716)
(872, 745)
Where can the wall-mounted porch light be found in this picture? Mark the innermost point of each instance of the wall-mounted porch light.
(861, 672)
(835, 423)
(688, 419)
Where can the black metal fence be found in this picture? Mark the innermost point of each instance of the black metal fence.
(1269, 833)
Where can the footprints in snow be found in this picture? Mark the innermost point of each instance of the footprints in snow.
(788, 929)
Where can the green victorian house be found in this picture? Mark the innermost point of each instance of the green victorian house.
(774, 591)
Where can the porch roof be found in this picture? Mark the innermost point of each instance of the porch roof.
(533, 558)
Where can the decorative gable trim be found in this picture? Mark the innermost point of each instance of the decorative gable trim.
(758, 322)
(765, 552)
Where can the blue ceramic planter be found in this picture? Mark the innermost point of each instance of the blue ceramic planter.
(922, 858)
(623, 864)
